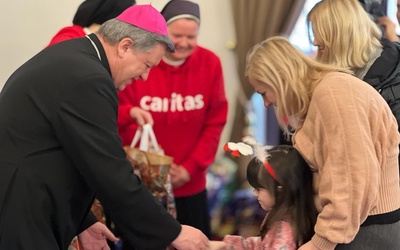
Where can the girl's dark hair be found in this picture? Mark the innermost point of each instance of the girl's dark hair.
(294, 196)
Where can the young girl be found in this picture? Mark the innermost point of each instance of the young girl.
(282, 183)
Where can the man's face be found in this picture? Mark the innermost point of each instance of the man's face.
(131, 65)
(398, 11)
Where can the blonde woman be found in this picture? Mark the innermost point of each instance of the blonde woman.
(347, 37)
(348, 135)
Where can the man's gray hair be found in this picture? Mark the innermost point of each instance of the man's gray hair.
(113, 31)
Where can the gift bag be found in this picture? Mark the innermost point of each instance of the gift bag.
(152, 166)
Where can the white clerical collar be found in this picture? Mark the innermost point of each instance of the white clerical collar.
(94, 46)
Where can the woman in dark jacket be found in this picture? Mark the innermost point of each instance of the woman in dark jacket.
(339, 31)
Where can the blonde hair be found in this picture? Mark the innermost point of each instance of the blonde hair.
(290, 73)
(346, 31)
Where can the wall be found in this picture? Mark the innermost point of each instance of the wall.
(27, 28)
(29, 25)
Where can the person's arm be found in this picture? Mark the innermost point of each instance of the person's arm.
(141, 116)
(240, 243)
(191, 238)
(218, 245)
(95, 237)
(129, 115)
(125, 104)
(389, 31)
(88, 221)
(309, 246)
(179, 175)
(86, 127)
(279, 236)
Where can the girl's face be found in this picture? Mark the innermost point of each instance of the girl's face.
(267, 93)
(265, 198)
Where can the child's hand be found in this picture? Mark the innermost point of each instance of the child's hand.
(218, 245)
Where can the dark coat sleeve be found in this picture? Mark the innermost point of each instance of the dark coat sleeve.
(86, 125)
(88, 221)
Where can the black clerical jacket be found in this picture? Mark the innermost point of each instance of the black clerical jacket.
(59, 147)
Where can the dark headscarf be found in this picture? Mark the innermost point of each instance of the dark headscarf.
(176, 9)
(99, 11)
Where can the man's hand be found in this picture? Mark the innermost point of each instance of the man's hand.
(191, 238)
(179, 175)
(95, 237)
(141, 116)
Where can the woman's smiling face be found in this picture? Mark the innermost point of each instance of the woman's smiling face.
(183, 33)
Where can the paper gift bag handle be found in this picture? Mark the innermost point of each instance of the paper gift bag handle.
(146, 136)
(136, 137)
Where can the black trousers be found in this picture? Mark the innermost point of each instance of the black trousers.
(193, 211)
(375, 237)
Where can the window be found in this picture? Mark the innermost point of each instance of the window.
(391, 13)
(299, 35)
